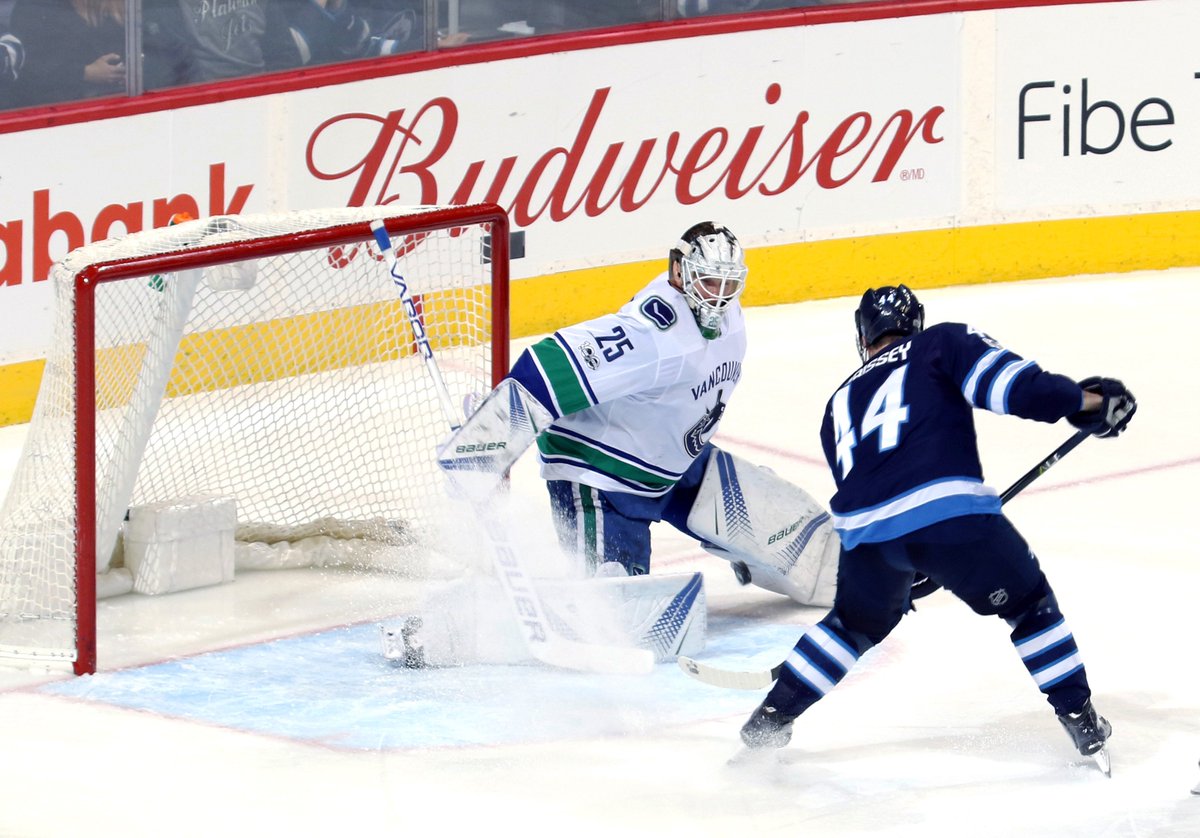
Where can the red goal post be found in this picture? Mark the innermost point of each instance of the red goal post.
(261, 358)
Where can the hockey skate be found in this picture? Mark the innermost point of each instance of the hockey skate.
(1089, 731)
(767, 728)
(765, 731)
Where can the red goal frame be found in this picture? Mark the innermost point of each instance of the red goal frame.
(87, 281)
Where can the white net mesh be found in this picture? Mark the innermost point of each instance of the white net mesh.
(287, 381)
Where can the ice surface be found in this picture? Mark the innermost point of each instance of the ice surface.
(264, 706)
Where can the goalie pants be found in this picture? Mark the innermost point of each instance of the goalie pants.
(982, 560)
(604, 526)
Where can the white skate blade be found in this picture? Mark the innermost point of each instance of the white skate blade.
(1103, 762)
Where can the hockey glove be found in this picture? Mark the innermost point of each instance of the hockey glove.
(1113, 414)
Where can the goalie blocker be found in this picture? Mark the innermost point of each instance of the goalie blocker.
(477, 456)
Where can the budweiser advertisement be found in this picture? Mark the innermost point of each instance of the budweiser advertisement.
(788, 133)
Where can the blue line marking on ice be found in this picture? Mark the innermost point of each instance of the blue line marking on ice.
(335, 688)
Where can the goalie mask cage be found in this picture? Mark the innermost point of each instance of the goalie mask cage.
(266, 358)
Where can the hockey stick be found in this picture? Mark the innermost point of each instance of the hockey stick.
(761, 679)
(414, 321)
(1044, 466)
(545, 644)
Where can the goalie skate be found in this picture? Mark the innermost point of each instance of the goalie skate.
(402, 646)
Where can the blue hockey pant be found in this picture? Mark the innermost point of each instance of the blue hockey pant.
(605, 526)
(982, 560)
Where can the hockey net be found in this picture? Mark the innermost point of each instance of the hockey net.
(262, 358)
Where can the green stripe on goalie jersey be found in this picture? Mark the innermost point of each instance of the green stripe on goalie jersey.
(591, 551)
(560, 376)
(554, 445)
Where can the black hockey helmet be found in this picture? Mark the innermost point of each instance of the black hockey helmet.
(890, 310)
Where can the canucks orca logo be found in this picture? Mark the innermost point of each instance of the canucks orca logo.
(699, 433)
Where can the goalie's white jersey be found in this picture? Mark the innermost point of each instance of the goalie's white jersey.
(635, 395)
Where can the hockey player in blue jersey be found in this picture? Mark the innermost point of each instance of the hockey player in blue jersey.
(899, 437)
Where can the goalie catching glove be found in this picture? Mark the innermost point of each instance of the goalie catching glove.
(1116, 408)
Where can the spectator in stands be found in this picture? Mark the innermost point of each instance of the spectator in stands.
(578, 15)
(12, 56)
(333, 30)
(189, 41)
(73, 49)
(396, 25)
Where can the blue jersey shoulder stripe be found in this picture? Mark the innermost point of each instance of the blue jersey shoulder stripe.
(1002, 384)
(971, 384)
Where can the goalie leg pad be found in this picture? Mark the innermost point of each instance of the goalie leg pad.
(782, 534)
(469, 622)
(666, 614)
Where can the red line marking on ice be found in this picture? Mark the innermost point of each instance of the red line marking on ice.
(771, 449)
(1116, 475)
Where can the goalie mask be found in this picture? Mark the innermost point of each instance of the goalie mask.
(712, 273)
(890, 310)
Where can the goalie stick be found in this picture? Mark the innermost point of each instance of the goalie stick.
(545, 644)
(764, 678)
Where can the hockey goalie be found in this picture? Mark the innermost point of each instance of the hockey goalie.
(622, 409)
